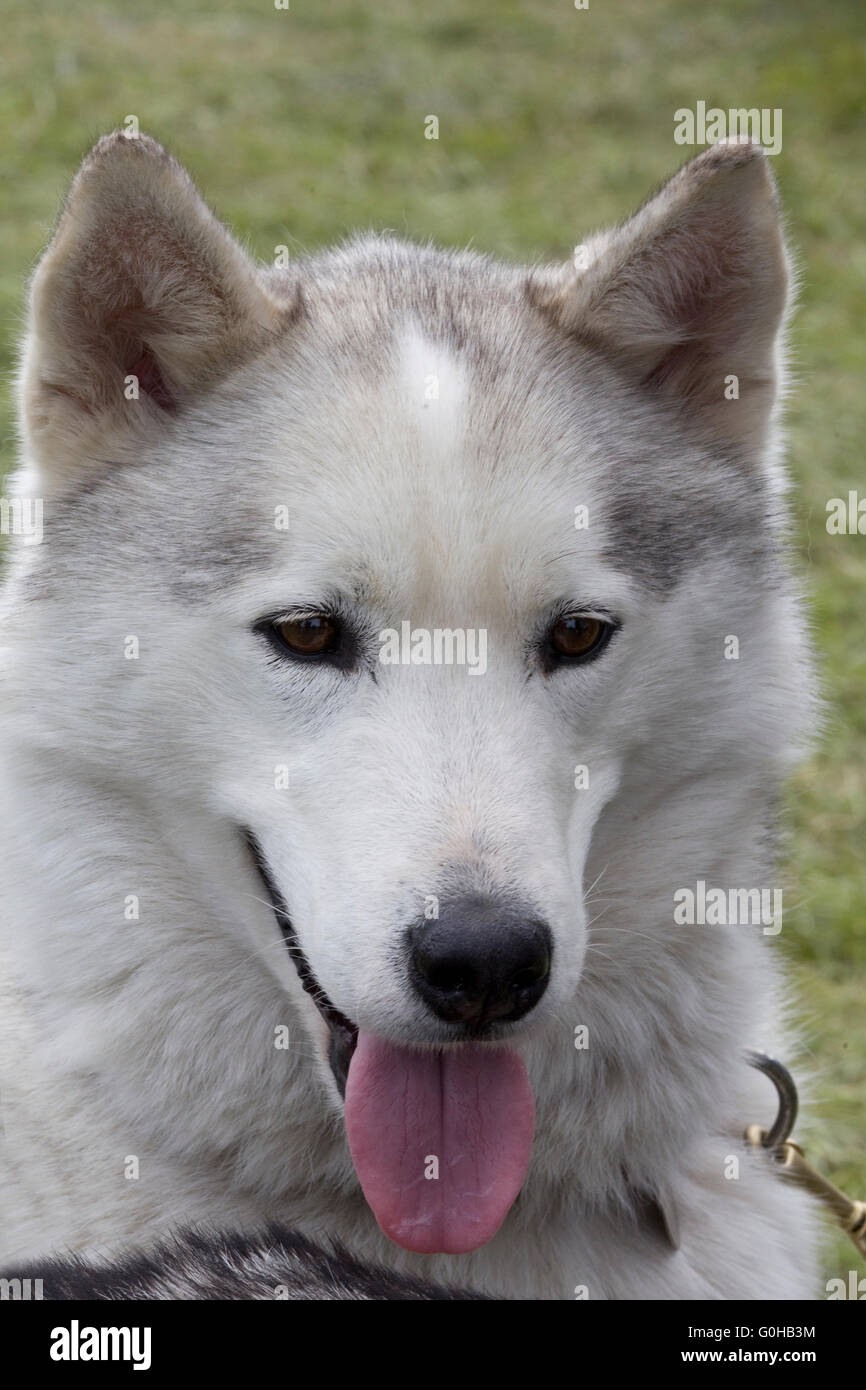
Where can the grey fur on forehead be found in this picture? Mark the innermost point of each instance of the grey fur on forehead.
(358, 293)
(664, 509)
(662, 512)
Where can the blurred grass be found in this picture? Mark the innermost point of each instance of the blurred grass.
(301, 125)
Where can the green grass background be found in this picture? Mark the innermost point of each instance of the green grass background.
(304, 124)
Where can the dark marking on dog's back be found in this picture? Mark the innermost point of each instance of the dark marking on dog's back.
(277, 1263)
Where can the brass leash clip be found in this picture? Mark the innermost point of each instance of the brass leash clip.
(849, 1213)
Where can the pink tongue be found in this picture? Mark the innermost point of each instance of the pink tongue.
(440, 1140)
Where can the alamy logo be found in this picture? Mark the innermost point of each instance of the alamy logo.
(855, 1288)
(438, 646)
(21, 516)
(77, 1343)
(846, 516)
(732, 907)
(708, 126)
(20, 1290)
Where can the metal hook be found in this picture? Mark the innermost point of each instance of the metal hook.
(849, 1213)
(786, 1090)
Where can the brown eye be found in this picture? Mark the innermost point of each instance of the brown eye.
(309, 636)
(578, 636)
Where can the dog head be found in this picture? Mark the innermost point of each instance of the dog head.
(433, 562)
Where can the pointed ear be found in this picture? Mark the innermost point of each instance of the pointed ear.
(140, 281)
(690, 293)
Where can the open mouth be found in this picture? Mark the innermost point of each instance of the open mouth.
(343, 1035)
(440, 1140)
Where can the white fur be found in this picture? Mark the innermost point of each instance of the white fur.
(155, 1038)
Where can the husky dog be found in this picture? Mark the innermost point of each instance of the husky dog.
(389, 948)
(275, 1264)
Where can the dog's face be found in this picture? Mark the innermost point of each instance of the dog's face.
(406, 540)
(434, 656)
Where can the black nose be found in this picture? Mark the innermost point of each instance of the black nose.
(481, 962)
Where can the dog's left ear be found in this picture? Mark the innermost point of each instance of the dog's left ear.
(688, 296)
(142, 303)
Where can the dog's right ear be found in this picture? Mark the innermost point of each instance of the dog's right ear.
(688, 296)
(142, 301)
